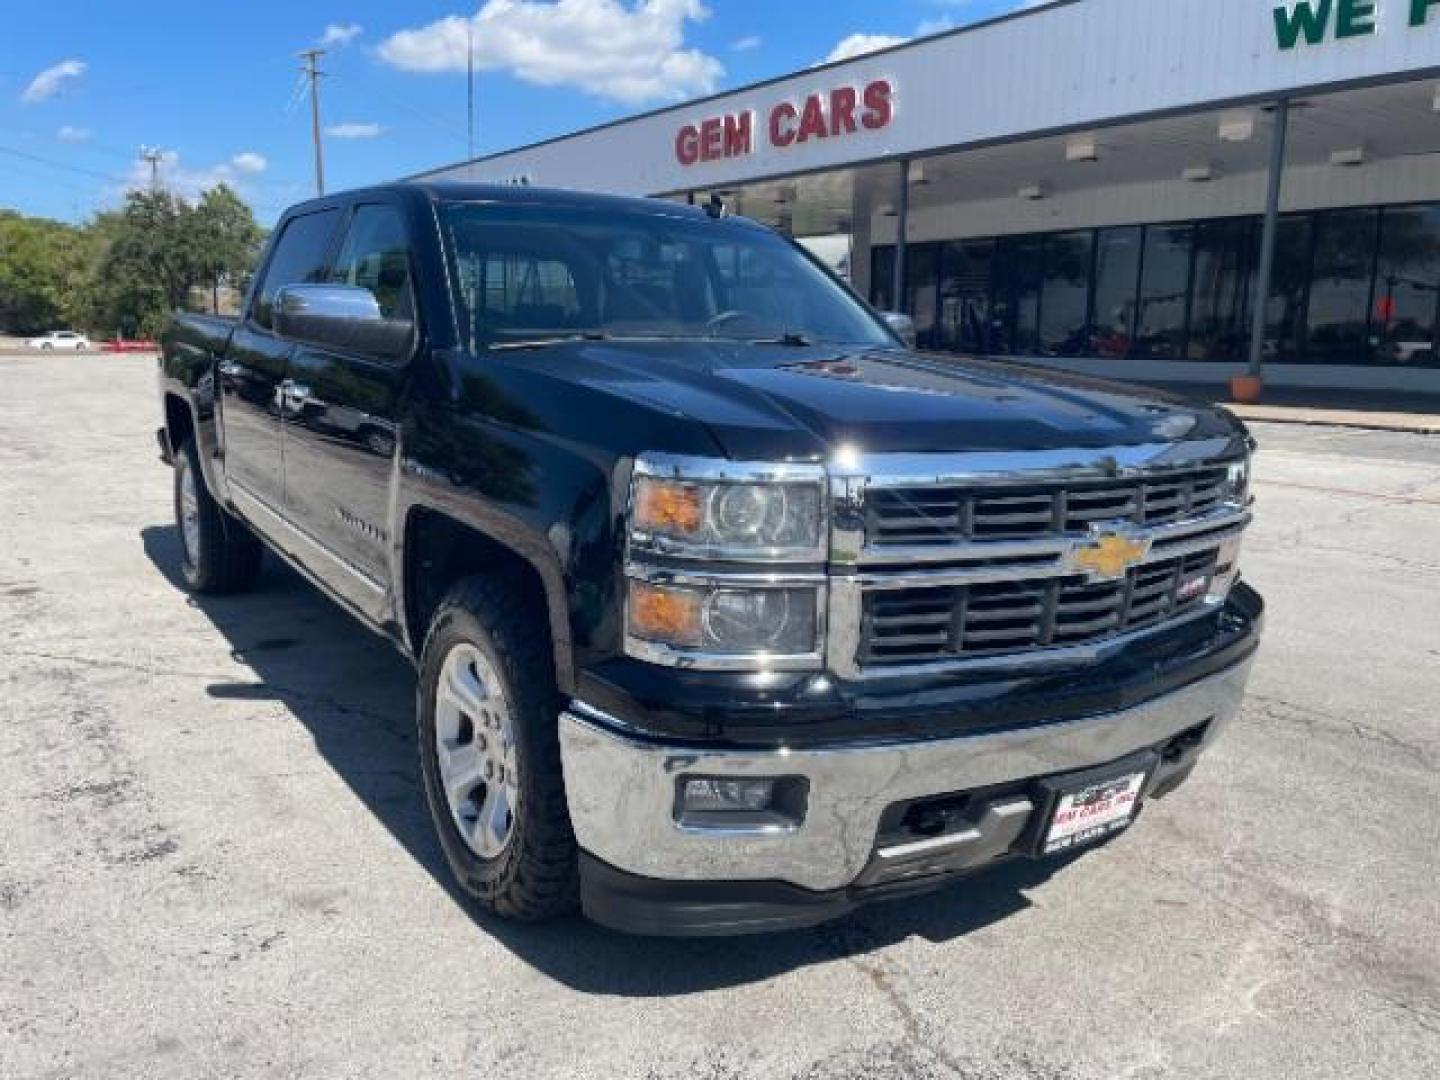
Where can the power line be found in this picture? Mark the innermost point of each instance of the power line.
(391, 100)
(109, 178)
(312, 69)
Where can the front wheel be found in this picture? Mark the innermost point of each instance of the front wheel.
(218, 552)
(490, 753)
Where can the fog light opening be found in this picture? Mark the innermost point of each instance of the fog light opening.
(741, 803)
(703, 794)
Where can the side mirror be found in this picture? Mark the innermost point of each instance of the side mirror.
(903, 326)
(344, 317)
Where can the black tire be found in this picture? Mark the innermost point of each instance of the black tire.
(535, 876)
(227, 554)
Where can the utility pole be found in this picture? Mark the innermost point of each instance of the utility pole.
(154, 157)
(312, 69)
(470, 87)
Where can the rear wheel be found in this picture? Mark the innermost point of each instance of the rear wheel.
(490, 752)
(218, 552)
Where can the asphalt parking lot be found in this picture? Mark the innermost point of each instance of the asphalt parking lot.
(214, 858)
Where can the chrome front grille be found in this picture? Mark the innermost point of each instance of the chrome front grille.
(930, 623)
(954, 514)
(1003, 560)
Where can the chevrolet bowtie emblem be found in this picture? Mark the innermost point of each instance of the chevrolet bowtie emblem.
(1109, 553)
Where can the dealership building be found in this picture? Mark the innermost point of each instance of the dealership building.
(1164, 190)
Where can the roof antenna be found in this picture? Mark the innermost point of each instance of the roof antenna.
(716, 208)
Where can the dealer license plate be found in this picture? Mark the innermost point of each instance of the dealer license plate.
(1090, 813)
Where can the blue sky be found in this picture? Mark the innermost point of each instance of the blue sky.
(216, 87)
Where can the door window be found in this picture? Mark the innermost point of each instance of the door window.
(1164, 293)
(1117, 280)
(1407, 292)
(376, 256)
(1065, 295)
(1340, 284)
(299, 259)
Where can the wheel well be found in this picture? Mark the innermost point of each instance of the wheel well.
(179, 425)
(440, 551)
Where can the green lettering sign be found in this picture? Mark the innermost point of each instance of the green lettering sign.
(1420, 11)
(1355, 18)
(1307, 19)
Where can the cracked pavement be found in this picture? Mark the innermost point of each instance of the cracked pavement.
(215, 860)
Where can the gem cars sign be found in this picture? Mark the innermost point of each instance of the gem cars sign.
(835, 114)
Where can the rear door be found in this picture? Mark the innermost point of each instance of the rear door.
(341, 428)
(256, 364)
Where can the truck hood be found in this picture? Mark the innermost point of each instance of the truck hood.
(772, 402)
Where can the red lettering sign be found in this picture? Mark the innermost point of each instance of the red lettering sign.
(782, 124)
(842, 111)
(737, 134)
(879, 109)
(687, 145)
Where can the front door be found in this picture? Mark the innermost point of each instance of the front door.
(341, 425)
(253, 371)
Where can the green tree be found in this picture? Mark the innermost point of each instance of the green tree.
(226, 239)
(44, 268)
(125, 270)
(151, 263)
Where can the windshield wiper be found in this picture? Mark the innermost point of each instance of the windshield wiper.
(790, 338)
(545, 343)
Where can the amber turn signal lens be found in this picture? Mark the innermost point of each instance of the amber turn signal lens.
(669, 616)
(665, 506)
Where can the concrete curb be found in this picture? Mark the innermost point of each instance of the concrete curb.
(1410, 423)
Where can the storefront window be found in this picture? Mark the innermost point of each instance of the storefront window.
(1164, 293)
(1339, 308)
(1406, 310)
(921, 272)
(1289, 282)
(1016, 317)
(1065, 294)
(1348, 286)
(1117, 275)
(965, 296)
(1223, 282)
(882, 278)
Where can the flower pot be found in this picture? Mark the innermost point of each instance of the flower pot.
(1246, 389)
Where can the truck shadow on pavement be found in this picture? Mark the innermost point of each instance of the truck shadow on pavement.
(355, 695)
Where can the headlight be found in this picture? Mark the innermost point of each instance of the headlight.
(1227, 570)
(1237, 482)
(724, 510)
(754, 607)
(720, 621)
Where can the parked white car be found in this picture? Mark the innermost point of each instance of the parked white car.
(59, 339)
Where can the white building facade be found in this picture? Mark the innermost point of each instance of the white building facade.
(1088, 183)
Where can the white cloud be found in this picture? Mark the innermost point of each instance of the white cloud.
(190, 183)
(50, 81)
(249, 162)
(745, 44)
(73, 134)
(340, 34)
(860, 44)
(353, 130)
(631, 51)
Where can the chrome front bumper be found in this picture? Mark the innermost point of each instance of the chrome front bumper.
(622, 791)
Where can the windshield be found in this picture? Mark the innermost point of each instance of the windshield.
(537, 273)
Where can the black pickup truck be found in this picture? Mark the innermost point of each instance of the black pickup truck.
(730, 610)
